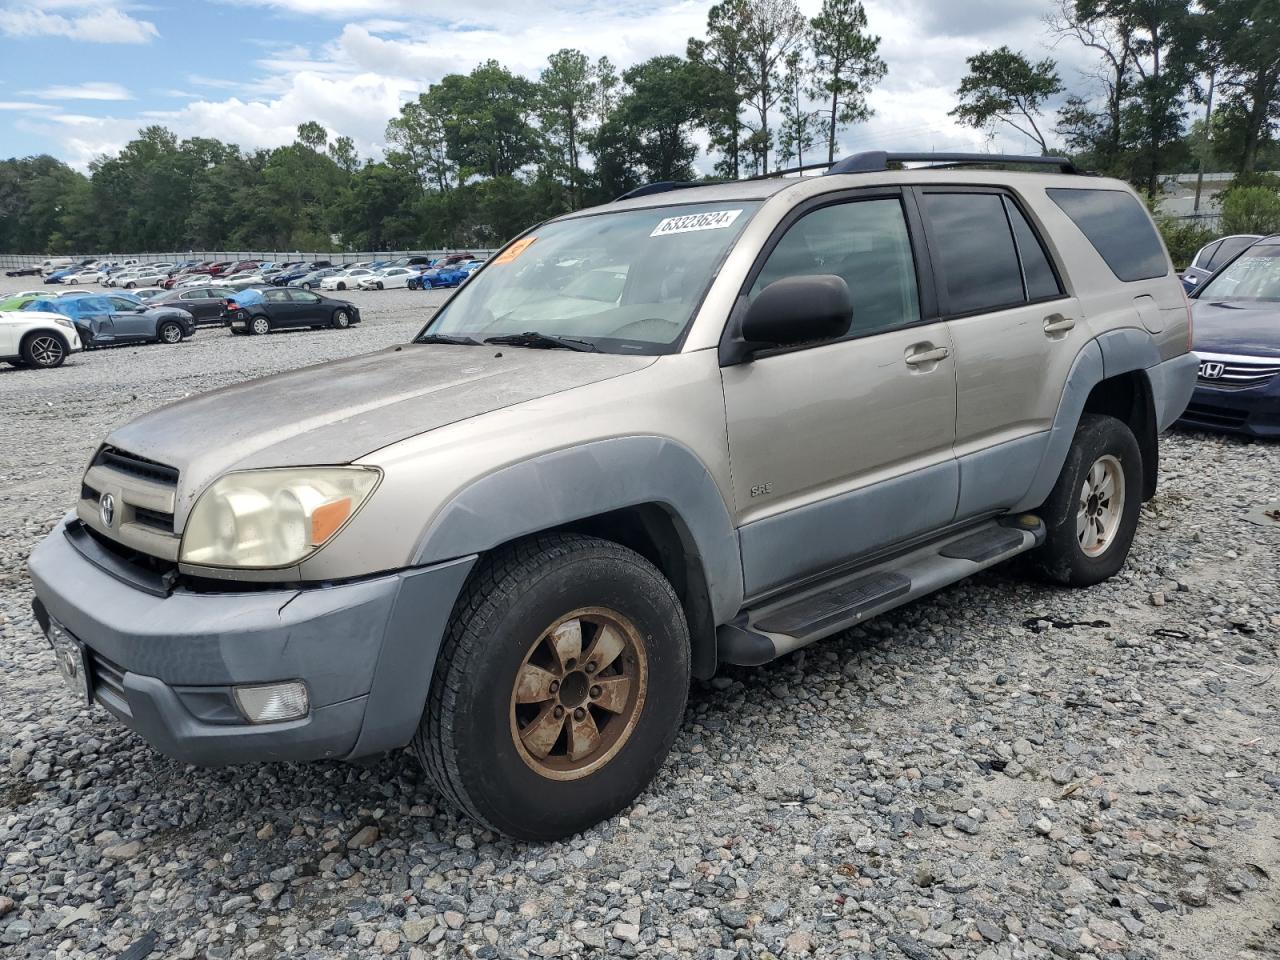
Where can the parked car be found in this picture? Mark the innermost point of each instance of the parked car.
(243, 282)
(146, 294)
(18, 300)
(55, 265)
(513, 560)
(38, 340)
(309, 281)
(345, 278)
(147, 275)
(441, 277)
(387, 279)
(33, 271)
(57, 276)
(1213, 255)
(262, 311)
(83, 275)
(205, 303)
(1237, 338)
(109, 320)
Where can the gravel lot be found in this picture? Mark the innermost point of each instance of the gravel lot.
(946, 782)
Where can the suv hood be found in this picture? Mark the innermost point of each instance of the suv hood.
(341, 411)
(1237, 326)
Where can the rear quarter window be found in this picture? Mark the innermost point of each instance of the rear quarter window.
(1117, 226)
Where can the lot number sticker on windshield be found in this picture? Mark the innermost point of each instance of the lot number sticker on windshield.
(711, 220)
(513, 251)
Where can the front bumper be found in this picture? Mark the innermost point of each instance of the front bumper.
(164, 661)
(1252, 411)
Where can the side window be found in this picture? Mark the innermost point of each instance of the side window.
(1041, 282)
(865, 242)
(1206, 254)
(275, 296)
(975, 252)
(1119, 229)
(1228, 249)
(302, 296)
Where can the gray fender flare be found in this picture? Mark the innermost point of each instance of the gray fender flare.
(587, 480)
(1109, 355)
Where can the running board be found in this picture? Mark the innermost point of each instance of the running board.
(783, 624)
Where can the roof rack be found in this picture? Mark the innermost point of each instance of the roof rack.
(874, 161)
(871, 161)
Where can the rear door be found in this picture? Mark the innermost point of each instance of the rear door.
(1016, 334)
(282, 311)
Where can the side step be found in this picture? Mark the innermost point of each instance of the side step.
(783, 624)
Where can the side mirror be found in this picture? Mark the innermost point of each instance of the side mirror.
(797, 310)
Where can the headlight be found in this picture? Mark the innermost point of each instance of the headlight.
(273, 518)
(64, 322)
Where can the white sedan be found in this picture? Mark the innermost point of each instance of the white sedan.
(386, 279)
(29, 338)
(87, 275)
(147, 275)
(347, 278)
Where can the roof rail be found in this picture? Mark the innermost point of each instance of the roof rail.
(874, 161)
(662, 186)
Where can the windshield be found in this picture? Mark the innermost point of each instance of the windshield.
(625, 282)
(1254, 275)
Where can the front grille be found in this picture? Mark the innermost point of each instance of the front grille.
(1237, 373)
(137, 466)
(1216, 416)
(143, 495)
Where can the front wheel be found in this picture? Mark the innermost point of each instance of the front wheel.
(170, 332)
(342, 286)
(306, 286)
(1092, 513)
(43, 350)
(559, 688)
(379, 285)
(341, 319)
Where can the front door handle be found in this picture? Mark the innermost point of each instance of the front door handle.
(1057, 323)
(927, 356)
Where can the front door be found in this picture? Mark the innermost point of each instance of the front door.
(130, 320)
(93, 319)
(844, 448)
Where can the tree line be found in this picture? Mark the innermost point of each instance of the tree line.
(478, 156)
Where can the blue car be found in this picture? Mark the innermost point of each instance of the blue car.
(105, 320)
(60, 275)
(1236, 334)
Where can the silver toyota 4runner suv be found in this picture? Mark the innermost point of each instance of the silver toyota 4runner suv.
(703, 424)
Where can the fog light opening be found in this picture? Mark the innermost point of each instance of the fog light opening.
(272, 702)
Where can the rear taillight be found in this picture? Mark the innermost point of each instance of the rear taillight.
(229, 305)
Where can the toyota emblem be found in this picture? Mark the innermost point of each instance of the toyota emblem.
(107, 509)
(1211, 370)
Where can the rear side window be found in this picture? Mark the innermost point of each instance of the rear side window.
(975, 251)
(1119, 229)
(1037, 273)
(1228, 249)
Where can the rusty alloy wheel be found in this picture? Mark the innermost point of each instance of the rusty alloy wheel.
(579, 693)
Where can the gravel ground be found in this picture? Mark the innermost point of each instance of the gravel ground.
(956, 779)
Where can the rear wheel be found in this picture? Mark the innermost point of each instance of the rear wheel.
(1092, 512)
(341, 319)
(259, 325)
(44, 350)
(170, 332)
(559, 688)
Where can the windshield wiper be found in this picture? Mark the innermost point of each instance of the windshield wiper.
(445, 338)
(543, 341)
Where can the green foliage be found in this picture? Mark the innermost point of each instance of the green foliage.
(1183, 236)
(1251, 210)
(1005, 87)
(847, 65)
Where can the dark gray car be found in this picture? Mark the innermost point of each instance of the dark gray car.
(205, 304)
(103, 321)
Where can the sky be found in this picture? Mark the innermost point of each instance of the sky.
(78, 79)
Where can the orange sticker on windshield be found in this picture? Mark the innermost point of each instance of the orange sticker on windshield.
(513, 251)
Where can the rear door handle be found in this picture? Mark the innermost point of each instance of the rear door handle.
(1057, 323)
(927, 356)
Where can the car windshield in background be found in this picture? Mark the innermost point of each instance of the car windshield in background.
(1255, 275)
(625, 282)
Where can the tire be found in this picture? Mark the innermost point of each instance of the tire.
(170, 332)
(379, 285)
(472, 739)
(1089, 534)
(130, 285)
(306, 286)
(43, 351)
(341, 319)
(341, 286)
(259, 325)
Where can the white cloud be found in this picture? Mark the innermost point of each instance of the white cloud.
(92, 90)
(95, 26)
(20, 105)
